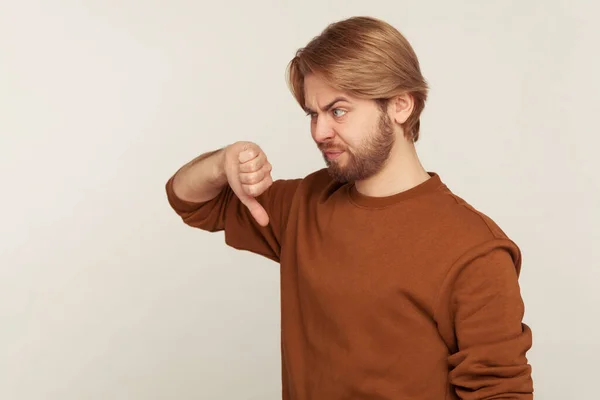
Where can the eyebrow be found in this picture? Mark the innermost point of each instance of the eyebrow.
(328, 106)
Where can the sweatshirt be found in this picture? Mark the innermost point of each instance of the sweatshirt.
(409, 296)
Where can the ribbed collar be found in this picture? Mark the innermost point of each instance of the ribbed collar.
(430, 185)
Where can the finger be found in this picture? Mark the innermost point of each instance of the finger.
(254, 164)
(257, 211)
(252, 178)
(248, 198)
(248, 153)
(259, 188)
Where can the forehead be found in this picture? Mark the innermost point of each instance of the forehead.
(317, 92)
(319, 95)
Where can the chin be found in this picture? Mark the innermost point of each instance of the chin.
(340, 174)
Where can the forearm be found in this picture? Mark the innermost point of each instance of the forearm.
(483, 318)
(202, 178)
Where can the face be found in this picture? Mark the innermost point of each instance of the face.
(356, 136)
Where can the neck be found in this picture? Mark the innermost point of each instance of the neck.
(402, 172)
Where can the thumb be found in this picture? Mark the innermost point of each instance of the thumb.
(256, 210)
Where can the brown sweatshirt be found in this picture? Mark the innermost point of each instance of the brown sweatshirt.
(411, 296)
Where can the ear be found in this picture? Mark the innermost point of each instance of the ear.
(401, 107)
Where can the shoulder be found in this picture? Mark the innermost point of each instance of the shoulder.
(314, 183)
(468, 218)
(315, 188)
(318, 179)
(304, 189)
(468, 230)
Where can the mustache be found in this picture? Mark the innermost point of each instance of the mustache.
(331, 147)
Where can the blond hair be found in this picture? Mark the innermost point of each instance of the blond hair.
(365, 57)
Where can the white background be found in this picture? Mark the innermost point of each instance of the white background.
(105, 294)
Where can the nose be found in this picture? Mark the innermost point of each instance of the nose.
(322, 130)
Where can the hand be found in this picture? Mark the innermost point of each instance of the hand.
(249, 174)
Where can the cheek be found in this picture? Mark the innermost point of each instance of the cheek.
(350, 137)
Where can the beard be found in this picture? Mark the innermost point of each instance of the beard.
(368, 159)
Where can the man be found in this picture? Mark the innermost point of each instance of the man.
(392, 287)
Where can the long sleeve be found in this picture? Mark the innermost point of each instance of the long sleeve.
(480, 315)
(227, 213)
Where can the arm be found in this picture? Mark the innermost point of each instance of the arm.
(482, 308)
(243, 166)
(231, 190)
(202, 178)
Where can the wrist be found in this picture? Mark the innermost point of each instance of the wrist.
(219, 175)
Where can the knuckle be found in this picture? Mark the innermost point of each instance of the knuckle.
(251, 190)
(258, 164)
(254, 177)
(259, 176)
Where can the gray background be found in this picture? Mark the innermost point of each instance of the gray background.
(105, 294)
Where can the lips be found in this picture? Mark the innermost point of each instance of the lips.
(331, 151)
(332, 154)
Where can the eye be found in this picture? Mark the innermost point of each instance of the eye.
(339, 112)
